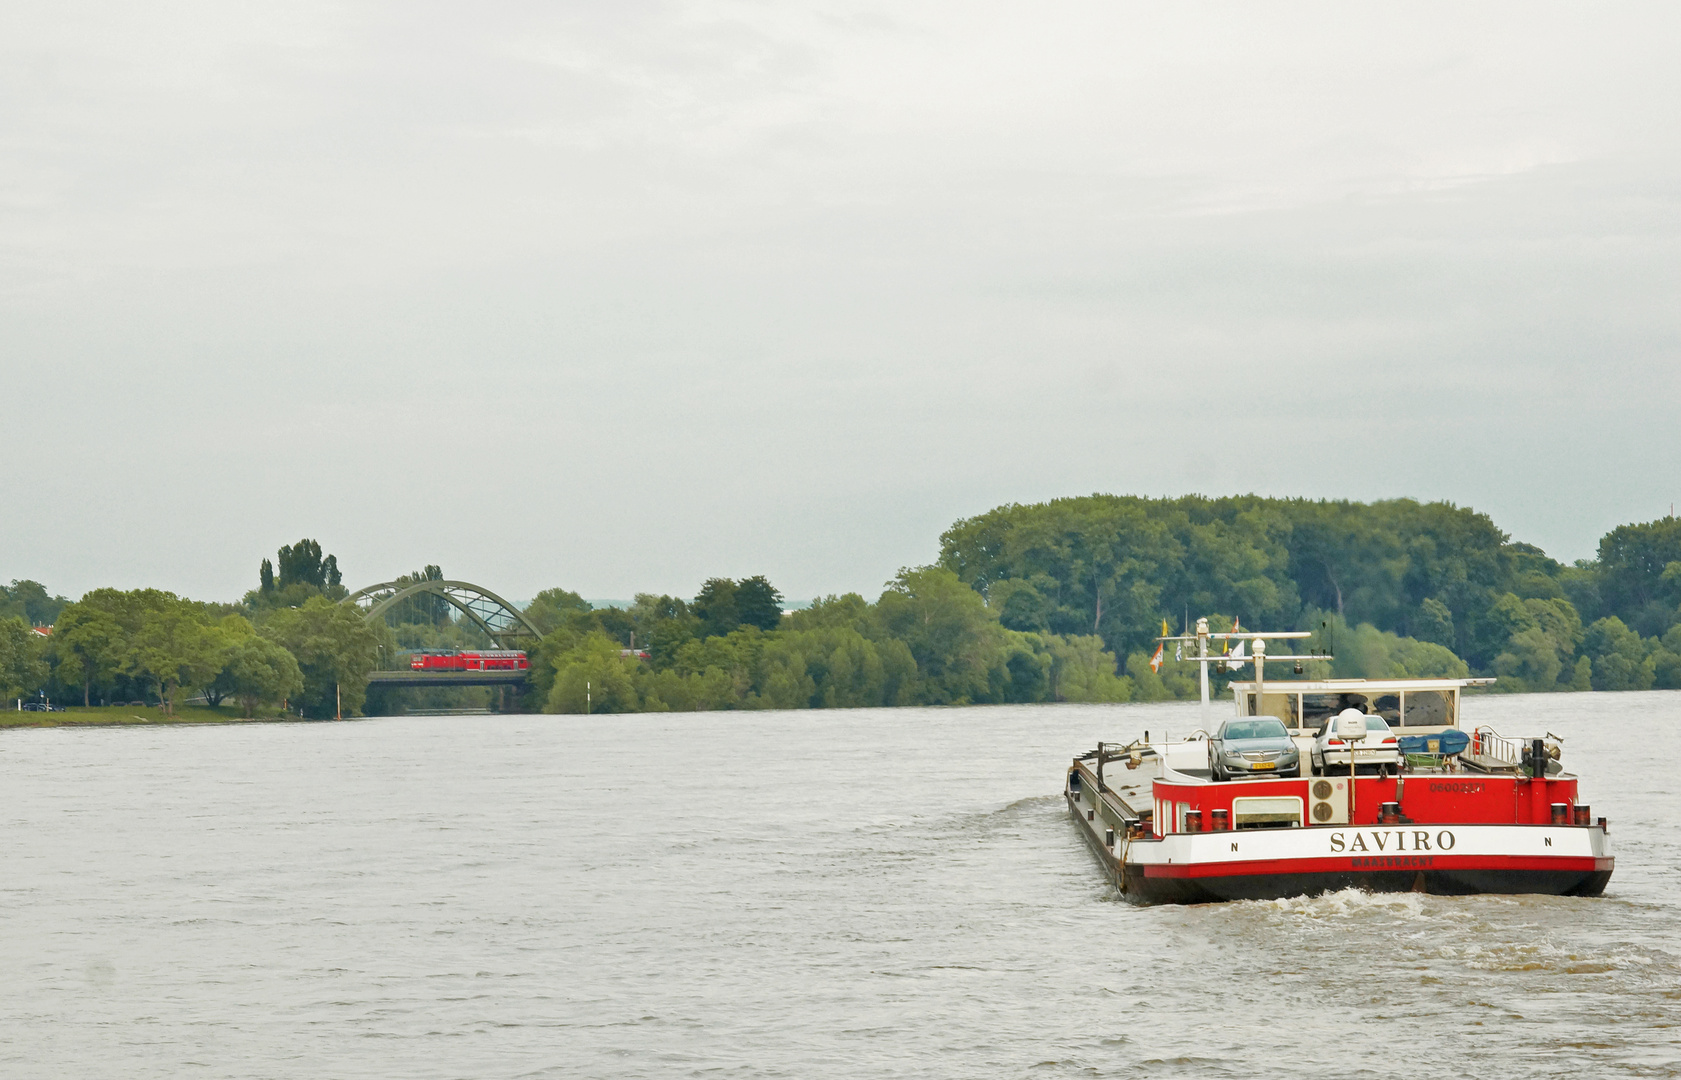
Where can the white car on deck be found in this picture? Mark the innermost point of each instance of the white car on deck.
(1376, 750)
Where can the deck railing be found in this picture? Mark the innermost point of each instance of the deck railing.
(1491, 745)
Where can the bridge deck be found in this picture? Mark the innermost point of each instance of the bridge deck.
(447, 678)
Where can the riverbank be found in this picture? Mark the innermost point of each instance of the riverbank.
(108, 715)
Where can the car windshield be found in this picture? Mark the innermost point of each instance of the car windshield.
(1256, 729)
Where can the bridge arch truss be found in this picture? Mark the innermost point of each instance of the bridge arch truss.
(505, 623)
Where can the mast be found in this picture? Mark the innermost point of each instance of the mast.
(1202, 657)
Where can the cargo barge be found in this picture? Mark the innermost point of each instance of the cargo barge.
(1391, 794)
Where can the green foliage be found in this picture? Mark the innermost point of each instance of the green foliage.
(23, 663)
(1026, 603)
(1369, 653)
(29, 601)
(758, 603)
(1434, 622)
(90, 640)
(1620, 660)
(1175, 680)
(552, 608)
(335, 649)
(958, 645)
(1537, 642)
(256, 670)
(1085, 671)
(303, 572)
(834, 667)
(1634, 577)
(1117, 565)
(592, 676)
(715, 607)
(302, 564)
(147, 636)
(174, 645)
(1433, 574)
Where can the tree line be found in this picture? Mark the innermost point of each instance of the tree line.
(289, 645)
(1396, 574)
(928, 639)
(1056, 601)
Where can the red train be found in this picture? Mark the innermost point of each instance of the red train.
(459, 660)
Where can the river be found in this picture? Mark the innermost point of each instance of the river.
(859, 893)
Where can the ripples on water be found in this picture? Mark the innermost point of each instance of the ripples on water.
(815, 894)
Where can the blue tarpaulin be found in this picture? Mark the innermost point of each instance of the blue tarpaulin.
(1451, 741)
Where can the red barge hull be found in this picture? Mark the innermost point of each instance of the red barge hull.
(1458, 835)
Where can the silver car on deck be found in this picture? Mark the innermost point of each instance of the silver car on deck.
(1254, 747)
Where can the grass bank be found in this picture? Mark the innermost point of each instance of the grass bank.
(98, 715)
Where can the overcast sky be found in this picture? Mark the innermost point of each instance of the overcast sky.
(620, 296)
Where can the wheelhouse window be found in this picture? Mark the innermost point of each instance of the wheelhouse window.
(1285, 707)
(1316, 707)
(1428, 708)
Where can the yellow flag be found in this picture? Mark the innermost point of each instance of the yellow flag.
(1166, 632)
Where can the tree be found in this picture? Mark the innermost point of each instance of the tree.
(758, 603)
(259, 670)
(1434, 622)
(1619, 656)
(90, 641)
(302, 564)
(173, 645)
(1632, 564)
(553, 608)
(716, 607)
(960, 650)
(594, 677)
(832, 667)
(23, 665)
(30, 601)
(335, 649)
(1085, 671)
(1666, 659)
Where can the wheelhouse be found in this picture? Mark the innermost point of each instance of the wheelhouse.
(1417, 705)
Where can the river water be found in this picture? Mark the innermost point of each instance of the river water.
(815, 894)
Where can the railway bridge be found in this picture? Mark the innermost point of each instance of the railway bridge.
(504, 623)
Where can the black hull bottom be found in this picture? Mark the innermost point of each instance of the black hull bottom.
(1461, 882)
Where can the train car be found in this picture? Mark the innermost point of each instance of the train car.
(469, 660)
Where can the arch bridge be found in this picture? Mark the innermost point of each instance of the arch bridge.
(504, 623)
